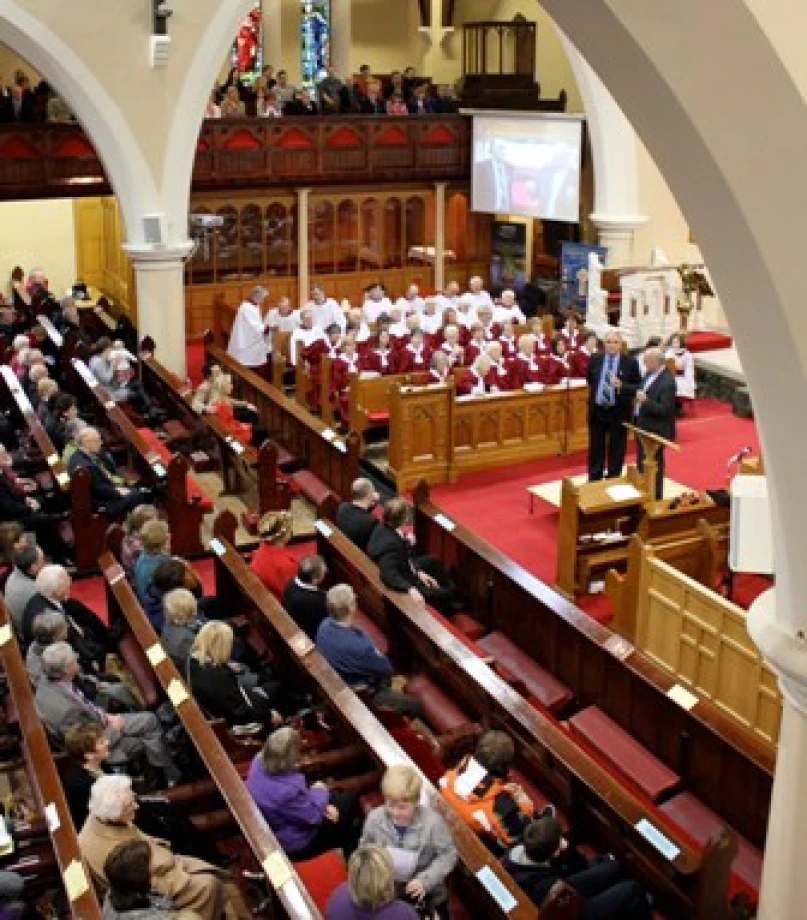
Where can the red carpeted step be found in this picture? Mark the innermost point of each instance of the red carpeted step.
(707, 341)
(321, 876)
(537, 681)
(624, 753)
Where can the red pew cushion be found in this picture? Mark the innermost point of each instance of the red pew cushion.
(368, 625)
(537, 681)
(195, 491)
(378, 418)
(442, 713)
(468, 626)
(321, 876)
(624, 753)
(458, 634)
(311, 486)
(692, 816)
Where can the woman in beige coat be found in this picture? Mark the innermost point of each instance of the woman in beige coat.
(188, 882)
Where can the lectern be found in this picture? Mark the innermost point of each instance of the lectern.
(651, 445)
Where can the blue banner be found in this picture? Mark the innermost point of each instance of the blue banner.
(574, 274)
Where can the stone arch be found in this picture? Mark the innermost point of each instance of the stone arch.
(681, 73)
(109, 131)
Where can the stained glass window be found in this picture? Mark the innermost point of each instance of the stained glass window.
(315, 39)
(247, 53)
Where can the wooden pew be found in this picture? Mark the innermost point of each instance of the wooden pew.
(691, 882)
(293, 896)
(725, 766)
(241, 590)
(326, 464)
(45, 783)
(237, 462)
(436, 437)
(698, 637)
(169, 480)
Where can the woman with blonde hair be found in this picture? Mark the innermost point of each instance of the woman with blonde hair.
(307, 820)
(369, 893)
(223, 405)
(213, 678)
(422, 850)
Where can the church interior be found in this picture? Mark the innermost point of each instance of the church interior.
(401, 497)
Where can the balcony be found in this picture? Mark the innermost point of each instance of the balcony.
(58, 160)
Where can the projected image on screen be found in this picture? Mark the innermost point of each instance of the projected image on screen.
(527, 166)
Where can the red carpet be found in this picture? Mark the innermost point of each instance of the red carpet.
(494, 503)
(707, 341)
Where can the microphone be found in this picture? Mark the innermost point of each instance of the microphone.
(742, 452)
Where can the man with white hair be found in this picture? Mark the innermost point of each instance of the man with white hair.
(189, 883)
(89, 636)
(479, 296)
(508, 309)
(60, 702)
(355, 518)
(655, 409)
(325, 310)
(108, 488)
(249, 342)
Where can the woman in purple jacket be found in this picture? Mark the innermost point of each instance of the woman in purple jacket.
(369, 893)
(307, 820)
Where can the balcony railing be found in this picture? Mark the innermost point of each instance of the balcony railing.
(58, 160)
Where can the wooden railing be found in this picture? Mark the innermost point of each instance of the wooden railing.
(59, 159)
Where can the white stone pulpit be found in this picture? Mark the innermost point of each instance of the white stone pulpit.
(649, 304)
(596, 297)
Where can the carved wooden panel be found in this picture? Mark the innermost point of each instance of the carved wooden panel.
(702, 639)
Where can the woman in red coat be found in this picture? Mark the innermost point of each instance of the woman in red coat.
(222, 404)
(271, 561)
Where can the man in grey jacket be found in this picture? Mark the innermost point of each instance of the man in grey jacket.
(60, 702)
(21, 583)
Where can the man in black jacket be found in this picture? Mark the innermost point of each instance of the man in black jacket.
(401, 569)
(107, 486)
(303, 598)
(613, 379)
(655, 409)
(355, 518)
(543, 858)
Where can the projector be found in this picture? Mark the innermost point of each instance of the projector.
(206, 221)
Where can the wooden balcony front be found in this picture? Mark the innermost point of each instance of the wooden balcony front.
(58, 160)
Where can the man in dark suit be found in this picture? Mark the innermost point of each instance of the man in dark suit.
(613, 379)
(655, 409)
(355, 518)
(107, 486)
(303, 598)
(401, 569)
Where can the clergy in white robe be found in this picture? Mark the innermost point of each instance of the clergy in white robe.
(249, 342)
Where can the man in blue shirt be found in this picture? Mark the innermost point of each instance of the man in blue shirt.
(352, 654)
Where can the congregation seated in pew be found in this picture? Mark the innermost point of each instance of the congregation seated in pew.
(423, 577)
(274, 565)
(422, 849)
(109, 489)
(352, 654)
(60, 702)
(544, 857)
(188, 882)
(181, 624)
(308, 820)
(87, 748)
(370, 890)
(303, 597)
(355, 518)
(20, 585)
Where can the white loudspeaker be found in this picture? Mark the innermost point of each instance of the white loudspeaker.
(159, 48)
(154, 229)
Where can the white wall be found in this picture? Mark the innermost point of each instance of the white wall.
(39, 234)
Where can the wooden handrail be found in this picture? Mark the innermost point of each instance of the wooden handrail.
(45, 782)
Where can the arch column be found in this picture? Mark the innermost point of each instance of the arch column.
(613, 146)
(303, 270)
(160, 285)
(341, 37)
(272, 33)
(440, 235)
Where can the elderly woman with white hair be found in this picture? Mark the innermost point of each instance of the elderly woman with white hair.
(60, 702)
(189, 883)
